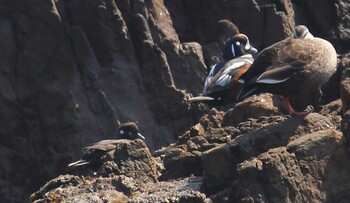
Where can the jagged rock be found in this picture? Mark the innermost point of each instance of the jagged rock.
(254, 143)
(305, 170)
(334, 111)
(71, 70)
(124, 170)
(345, 97)
(180, 163)
(218, 167)
(253, 107)
(69, 188)
(212, 120)
(175, 191)
(252, 124)
(130, 158)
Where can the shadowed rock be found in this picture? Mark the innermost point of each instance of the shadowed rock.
(71, 70)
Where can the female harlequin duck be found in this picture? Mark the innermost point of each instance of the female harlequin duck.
(93, 154)
(300, 63)
(221, 85)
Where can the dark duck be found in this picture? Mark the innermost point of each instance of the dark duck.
(95, 154)
(299, 64)
(222, 83)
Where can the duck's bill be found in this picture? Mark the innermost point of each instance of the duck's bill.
(141, 136)
(252, 50)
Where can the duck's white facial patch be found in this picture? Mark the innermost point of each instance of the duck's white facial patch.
(238, 43)
(233, 50)
(247, 46)
(121, 132)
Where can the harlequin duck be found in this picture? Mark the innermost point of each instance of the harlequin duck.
(221, 85)
(237, 46)
(300, 63)
(94, 154)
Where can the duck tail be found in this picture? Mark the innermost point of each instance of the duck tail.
(245, 92)
(80, 162)
(201, 98)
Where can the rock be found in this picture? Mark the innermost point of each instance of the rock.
(130, 158)
(345, 97)
(124, 170)
(69, 188)
(333, 111)
(261, 105)
(181, 190)
(298, 172)
(212, 120)
(224, 30)
(218, 166)
(251, 144)
(180, 163)
(72, 70)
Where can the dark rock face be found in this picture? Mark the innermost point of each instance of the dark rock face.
(345, 95)
(72, 70)
(288, 173)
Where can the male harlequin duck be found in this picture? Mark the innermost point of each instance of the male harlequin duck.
(221, 85)
(94, 154)
(237, 46)
(300, 63)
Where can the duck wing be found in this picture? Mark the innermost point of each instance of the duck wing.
(232, 70)
(277, 63)
(104, 145)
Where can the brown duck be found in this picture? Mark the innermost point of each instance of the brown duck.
(300, 63)
(95, 154)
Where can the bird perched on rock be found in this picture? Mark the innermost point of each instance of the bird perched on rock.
(299, 64)
(94, 154)
(221, 85)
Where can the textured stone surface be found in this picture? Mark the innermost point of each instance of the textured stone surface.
(72, 70)
(304, 170)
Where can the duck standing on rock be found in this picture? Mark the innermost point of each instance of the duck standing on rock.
(221, 85)
(299, 64)
(94, 154)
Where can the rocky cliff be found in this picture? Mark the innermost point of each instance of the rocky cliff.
(72, 70)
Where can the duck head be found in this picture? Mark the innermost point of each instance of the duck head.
(129, 131)
(237, 46)
(301, 32)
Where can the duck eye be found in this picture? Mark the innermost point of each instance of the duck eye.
(238, 43)
(121, 132)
